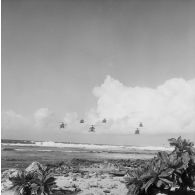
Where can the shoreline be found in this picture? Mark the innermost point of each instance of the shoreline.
(82, 176)
(22, 156)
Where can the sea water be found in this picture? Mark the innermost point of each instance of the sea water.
(17, 152)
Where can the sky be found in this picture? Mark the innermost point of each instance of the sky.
(128, 61)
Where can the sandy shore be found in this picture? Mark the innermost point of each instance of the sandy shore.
(84, 177)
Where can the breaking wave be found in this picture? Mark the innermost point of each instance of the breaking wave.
(90, 146)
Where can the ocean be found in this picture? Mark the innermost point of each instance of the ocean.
(20, 153)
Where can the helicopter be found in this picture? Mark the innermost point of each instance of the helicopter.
(137, 131)
(104, 120)
(82, 121)
(62, 125)
(92, 128)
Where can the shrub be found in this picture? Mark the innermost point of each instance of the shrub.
(37, 182)
(21, 183)
(165, 171)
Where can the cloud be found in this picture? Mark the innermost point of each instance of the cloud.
(12, 120)
(73, 124)
(70, 118)
(72, 121)
(44, 118)
(14, 124)
(169, 108)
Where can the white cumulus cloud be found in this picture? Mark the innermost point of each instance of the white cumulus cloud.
(168, 108)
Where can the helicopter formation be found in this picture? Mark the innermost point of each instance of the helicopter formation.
(92, 127)
(137, 131)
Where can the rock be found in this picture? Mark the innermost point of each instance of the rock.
(94, 184)
(66, 175)
(86, 176)
(106, 191)
(67, 189)
(9, 173)
(93, 174)
(103, 176)
(101, 187)
(35, 166)
(112, 186)
(118, 173)
(74, 178)
(6, 184)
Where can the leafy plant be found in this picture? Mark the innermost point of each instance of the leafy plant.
(43, 180)
(184, 150)
(21, 183)
(154, 174)
(165, 171)
(182, 145)
(39, 182)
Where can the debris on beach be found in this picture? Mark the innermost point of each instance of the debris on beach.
(5, 182)
(81, 177)
(114, 177)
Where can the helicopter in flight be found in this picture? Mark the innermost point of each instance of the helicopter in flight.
(82, 121)
(92, 128)
(62, 125)
(104, 120)
(137, 131)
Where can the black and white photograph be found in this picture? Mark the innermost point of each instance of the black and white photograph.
(97, 97)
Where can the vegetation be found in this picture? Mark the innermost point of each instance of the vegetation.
(167, 170)
(38, 182)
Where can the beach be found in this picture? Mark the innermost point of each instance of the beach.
(86, 177)
(100, 94)
(79, 168)
(83, 169)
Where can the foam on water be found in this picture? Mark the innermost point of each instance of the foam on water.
(91, 146)
(19, 149)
